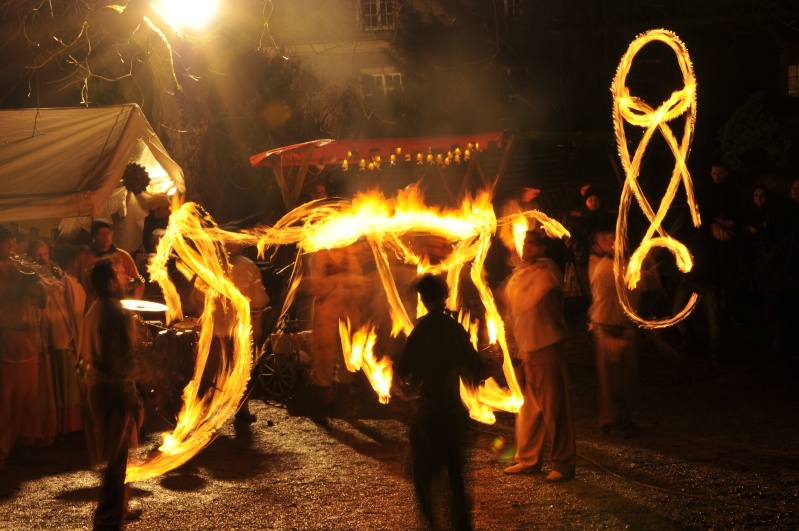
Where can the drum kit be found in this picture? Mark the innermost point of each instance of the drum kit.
(168, 355)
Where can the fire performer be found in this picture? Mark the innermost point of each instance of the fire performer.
(534, 297)
(614, 341)
(523, 200)
(437, 355)
(339, 288)
(116, 412)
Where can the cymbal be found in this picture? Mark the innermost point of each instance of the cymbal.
(143, 306)
(186, 326)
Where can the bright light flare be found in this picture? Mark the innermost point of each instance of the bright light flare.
(637, 112)
(187, 14)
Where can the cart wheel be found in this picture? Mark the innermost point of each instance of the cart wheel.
(276, 375)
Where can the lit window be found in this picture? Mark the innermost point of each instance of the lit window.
(382, 84)
(513, 8)
(377, 14)
(793, 80)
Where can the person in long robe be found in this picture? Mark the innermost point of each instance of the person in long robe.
(66, 300)
(27, 406)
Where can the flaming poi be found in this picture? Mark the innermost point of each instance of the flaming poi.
(635, 111)
(387, 224)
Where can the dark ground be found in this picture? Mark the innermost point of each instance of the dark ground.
(719, 450)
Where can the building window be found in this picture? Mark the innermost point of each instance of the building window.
(377, 14)
(793, 80)
(519, 73)
(513, 8)
(382, 85)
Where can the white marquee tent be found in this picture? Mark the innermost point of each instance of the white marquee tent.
(64, 163)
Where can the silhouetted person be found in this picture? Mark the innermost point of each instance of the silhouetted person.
(714, 249)
(720, 206)
(437, 355)
(116, 412)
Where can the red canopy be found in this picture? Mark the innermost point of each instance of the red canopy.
(327, 151)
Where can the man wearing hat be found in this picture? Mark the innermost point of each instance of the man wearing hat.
(103, 248)
(160, 208)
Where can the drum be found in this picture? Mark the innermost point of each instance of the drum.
(167, 366)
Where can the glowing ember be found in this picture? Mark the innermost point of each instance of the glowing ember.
(638, 113)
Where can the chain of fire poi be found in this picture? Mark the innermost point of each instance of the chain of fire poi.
(387, 224)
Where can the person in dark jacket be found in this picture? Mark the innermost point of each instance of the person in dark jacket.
(437, 356)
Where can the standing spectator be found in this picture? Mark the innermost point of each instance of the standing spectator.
(581, 224)
(103, 247)
(21, 245)
(437, 356)
(27, 407)
(614, 341)
(318, 191)
(64, 311)
(534, 297)
(763, 229)
(785, 272)
(714, 249)
(116, 411)
(720, 205)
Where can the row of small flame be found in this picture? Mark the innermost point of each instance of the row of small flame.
(453, 157)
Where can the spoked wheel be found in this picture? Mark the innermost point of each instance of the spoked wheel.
(276, 375)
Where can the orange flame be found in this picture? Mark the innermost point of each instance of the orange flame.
(197, 242)
(387, 225)
(359, 354)
(636, 112)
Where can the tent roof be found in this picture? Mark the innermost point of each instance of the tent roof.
(66, 162)
(328, 151)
